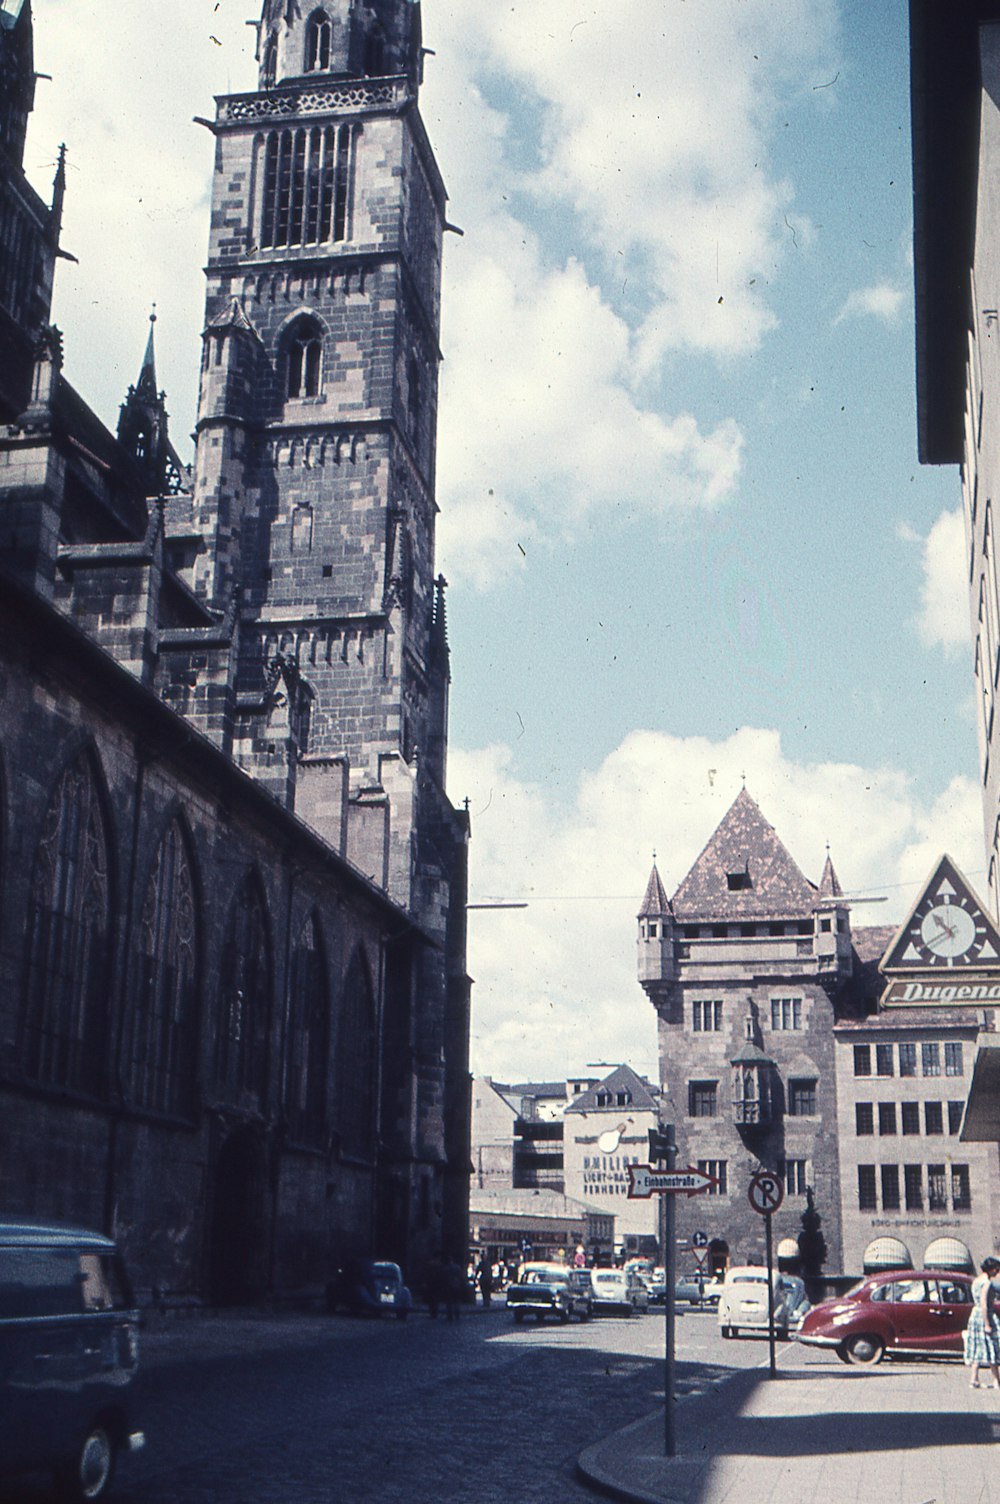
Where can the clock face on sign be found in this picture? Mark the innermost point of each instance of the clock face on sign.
(944, 931)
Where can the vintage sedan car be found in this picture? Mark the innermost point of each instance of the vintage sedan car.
(696, 1290)
(370, 1287)
(619, 1290)
(549, 1290)
(743, 1301)
(901, 1313)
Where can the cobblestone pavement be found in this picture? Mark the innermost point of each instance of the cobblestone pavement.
(295, 1410)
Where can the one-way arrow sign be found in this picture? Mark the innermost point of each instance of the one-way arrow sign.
(644, 1182)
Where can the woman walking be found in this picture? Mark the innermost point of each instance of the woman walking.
(982, 1335)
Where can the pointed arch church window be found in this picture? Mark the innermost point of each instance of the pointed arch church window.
(304, 355)
(65, 1022)
(356, 1062)
(162, 1026)
(269, 68)
(308, 1039)
(319, 42)
(244, 999)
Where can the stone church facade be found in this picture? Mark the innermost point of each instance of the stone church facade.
(234, 1006)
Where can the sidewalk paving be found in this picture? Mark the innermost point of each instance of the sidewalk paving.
(819, 1433)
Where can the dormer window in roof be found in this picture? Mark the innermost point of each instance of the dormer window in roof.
(738, 882)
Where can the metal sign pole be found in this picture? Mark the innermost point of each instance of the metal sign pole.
(670, 1276)
(770, 1290)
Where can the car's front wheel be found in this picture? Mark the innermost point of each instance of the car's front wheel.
(89, 1475)
(864, 1349)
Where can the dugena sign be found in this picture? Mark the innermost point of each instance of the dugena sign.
(935, 994)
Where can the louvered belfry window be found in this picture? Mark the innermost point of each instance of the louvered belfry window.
(306, 186)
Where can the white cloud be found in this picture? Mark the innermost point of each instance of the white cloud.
(555, 130)
(882, 301)
(943, 618)
(555, 983)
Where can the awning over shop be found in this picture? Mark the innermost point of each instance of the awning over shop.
(981, 1121)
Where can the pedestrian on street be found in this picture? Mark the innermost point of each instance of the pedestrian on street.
(435, 1285)
(455, 1285)
(486, 1280)
(982, 1335)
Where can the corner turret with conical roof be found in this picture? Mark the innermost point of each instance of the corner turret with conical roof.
(656, 934)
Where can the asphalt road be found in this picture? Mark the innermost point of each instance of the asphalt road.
(296, 1409)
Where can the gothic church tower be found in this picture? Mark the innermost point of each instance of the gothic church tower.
(314, 489)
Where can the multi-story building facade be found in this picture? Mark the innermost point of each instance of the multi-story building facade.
(234, 1000)
(955, 106)
(902, 1079)
(773, 1054)
(745, 965)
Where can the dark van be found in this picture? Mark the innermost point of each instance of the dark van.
(68, 1355)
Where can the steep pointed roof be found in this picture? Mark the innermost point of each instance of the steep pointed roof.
(744, 872)
(146, 385)
(234, 316)
(829, 885)
(655, 901)
(622, 1079)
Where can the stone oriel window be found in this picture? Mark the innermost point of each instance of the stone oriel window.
(306, 186)
(64, 1036)
(319, 42)
(244, 1002)
(162, 1026)
(308, 1039)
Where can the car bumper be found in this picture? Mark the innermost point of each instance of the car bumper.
(811, 1340)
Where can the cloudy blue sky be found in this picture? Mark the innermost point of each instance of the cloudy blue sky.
(682, 518)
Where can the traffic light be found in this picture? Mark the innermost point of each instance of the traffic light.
(661, 1144)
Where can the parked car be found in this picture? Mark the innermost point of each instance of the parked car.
(696, 1290)
(743, 1302)
(619, 1290)
(69, 1352)
(907, 1312)
(549, 1290)
(369, 1287)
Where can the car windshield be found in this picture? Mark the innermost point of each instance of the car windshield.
(386, 1271)
(749, 1279)
(612, 1278)
(545, 1277)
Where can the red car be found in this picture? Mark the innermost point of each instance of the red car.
(909, 1311)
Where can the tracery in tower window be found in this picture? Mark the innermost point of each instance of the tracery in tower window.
(319, 41)
(304, 358)
(306, 181)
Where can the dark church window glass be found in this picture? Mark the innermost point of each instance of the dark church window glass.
(308, 1040)
(65, 1031)
(162, 1038)
(306, 186)
(319, 40)
(241, 1039)
(356, 1062)
(304, 347)
(375, 51)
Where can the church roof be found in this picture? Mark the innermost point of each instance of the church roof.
(655, 900)
(744, 872)
(622, 1079)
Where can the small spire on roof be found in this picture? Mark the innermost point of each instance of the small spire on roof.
(655, 901)
(829, 884)
(146, 385)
